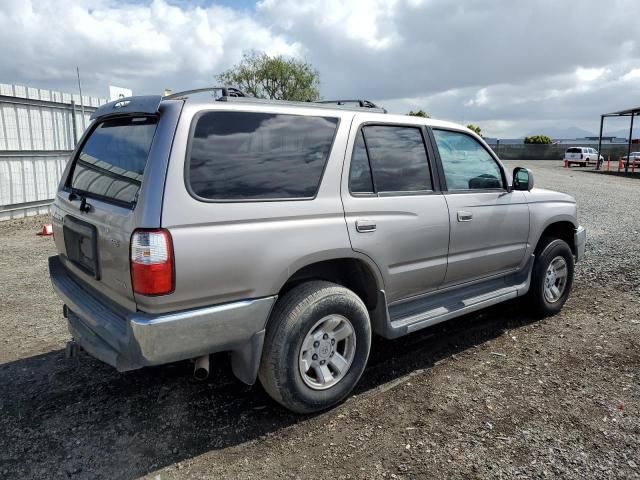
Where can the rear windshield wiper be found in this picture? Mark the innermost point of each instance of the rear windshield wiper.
(84, 206)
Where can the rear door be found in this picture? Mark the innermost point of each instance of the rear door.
(97, 206)
(394, 210)
(489, 225)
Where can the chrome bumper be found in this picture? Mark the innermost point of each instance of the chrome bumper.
(580, 241)
(129, 340)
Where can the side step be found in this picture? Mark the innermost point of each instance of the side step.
(409, 316)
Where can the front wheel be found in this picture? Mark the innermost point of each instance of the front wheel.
(316, 346)
(552, 276)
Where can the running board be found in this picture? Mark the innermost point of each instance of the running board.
(411, 315)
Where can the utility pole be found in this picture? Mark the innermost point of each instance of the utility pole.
(81, 102)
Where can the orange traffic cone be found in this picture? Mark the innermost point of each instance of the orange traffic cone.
(47, 230)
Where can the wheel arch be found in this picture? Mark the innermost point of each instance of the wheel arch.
(563, 229)
(356, 273)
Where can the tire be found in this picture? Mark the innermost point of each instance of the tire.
(314, 307)
(556, 251)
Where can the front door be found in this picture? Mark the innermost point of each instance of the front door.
(489, 224)
(394, 213)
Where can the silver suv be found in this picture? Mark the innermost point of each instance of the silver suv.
(288, 233)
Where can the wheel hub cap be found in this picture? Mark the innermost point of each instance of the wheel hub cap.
(555, 280)
(327, 352)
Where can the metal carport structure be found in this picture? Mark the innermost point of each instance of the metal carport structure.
(630, 112)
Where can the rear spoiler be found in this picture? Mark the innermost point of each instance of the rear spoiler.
(144, 105)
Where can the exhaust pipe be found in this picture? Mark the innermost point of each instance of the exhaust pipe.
(201, 368)
(71, 349)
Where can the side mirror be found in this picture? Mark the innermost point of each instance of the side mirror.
(522, 179)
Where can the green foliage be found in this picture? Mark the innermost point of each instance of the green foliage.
(418, 113)
(278, 77)
(538, 139)
(474, 128)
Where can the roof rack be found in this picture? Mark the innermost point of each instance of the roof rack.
(224, 92)
(358, 102)
(232, 94)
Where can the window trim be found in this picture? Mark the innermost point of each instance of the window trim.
(444, 185)
(187, 158)
(435, 180)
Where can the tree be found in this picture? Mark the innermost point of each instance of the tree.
(278, 77)
(474, 128)
(418, 113)
(538, 139)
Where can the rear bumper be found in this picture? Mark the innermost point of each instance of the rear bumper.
(580, 241)
(129, 340)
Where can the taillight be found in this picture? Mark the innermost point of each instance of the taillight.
(580, 156)
(152, 262)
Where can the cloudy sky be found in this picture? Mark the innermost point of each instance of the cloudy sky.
(514, 67)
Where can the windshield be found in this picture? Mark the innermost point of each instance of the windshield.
(112, 160)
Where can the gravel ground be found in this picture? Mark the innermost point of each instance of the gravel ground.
(497, 394)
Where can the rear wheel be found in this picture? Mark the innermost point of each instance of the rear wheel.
(316, 347)
(552, 276)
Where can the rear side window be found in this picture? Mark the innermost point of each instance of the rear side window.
(111, 162)
(397, 156)
(258, 156)
(360, 180)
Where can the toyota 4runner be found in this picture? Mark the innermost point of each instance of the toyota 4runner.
(288, 233)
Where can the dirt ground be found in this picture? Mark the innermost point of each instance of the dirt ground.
(497, 394)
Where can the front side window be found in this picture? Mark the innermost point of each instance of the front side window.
(466, 163)
(398, 158)
(258, 156)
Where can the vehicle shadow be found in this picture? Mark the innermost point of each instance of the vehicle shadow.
(81, 419)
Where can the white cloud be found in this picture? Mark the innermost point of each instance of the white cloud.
(590, 74)
(631, 76)
(504, 65)
(145, 46)
(481, 99)
(366, 22)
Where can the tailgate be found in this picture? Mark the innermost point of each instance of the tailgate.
(573, 154)
(95, 210)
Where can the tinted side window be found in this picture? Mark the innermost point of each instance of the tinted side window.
(398, 158)
(360, 180)
(467, 165)
(249, 155)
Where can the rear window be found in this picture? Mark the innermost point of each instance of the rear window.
(258, 156)
(112, 160)
(574, 150)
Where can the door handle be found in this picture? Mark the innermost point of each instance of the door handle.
(364, 226)
(464, 216)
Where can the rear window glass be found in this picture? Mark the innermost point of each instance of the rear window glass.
(112, 160)
(574, 150)
(258, 156)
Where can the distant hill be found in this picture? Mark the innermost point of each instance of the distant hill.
(568, 132)
(577, 132)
